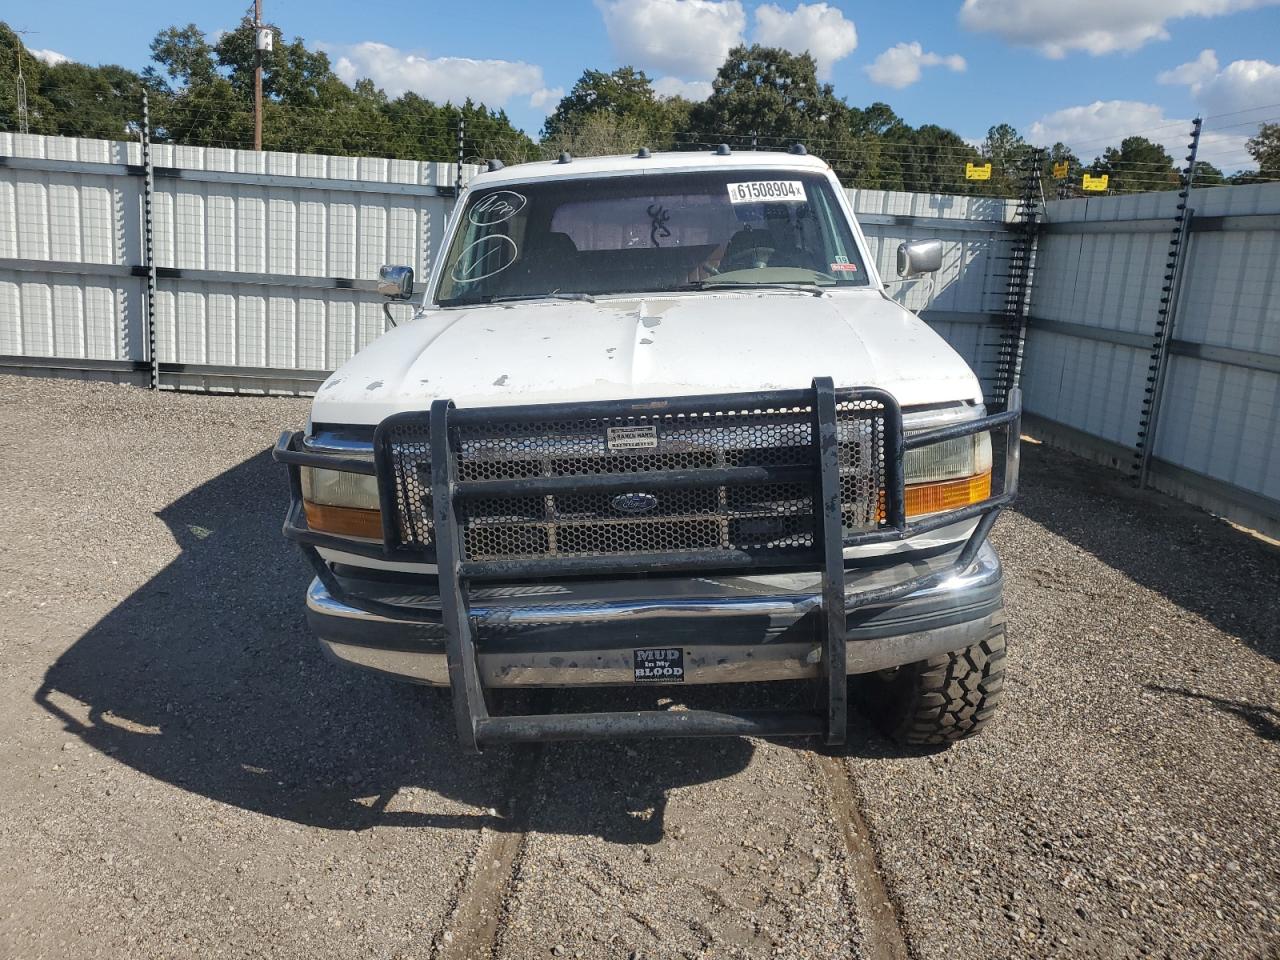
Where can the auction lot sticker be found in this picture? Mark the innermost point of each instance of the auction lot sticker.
(766, 191)
(662, 665)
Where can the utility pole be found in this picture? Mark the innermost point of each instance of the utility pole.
(24, 117)
(257, 74)
(24, 125)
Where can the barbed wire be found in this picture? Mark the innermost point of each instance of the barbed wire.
(865, 161)
(1266, 106)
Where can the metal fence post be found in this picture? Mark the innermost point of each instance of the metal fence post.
(462, 152)
(1166, 315)
(148, 241)
(1021, 260)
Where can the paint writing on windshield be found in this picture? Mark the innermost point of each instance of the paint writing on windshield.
(497, 207)
(483, 257)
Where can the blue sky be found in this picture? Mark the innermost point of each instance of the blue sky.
(1087, 71)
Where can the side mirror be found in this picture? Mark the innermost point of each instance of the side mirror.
(919, 256)
(395, 283)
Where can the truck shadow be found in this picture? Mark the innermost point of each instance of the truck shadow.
(1264, 720)
(207, 678)
(1195, 560)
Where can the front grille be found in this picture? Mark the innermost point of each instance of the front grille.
(761, 518)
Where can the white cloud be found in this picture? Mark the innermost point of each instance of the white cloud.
(494, 83)
(675, 87)
(1193, 72)
(1240, 86)
(1090, 128)
(546, 99)
(684, 38)
(901, 64)
(51, 57)
(820, 29)
(1098, 26)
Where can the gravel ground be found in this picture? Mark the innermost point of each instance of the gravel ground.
(186, 776)
(1127, 802)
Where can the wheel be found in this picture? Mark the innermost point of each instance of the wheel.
(945, 698)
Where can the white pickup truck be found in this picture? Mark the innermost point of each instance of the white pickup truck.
(657, 421)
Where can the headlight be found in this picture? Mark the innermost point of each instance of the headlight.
(342, 503)
(948, 475)
(949, 460)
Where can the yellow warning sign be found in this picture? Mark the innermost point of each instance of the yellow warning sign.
(1060, 170)
(1096, 184)
(976, 171)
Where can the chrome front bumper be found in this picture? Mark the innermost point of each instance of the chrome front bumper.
(732, 629)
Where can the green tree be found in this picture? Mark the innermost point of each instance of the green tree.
(184, 57)
(204, 96)
(872, 148)
(877, 120)
(291, 74)
(101, 102)
(40, 113)
(490, 134)
(1207, 175)
(1008, 153)
(936, 163)
(1005, 144)
(625, 94)
(1137, 166)
(770, 96)
(1264, 147)
(596, 134)
(1061, 153)
(1065, 186)
(612, 112)
(881, 151)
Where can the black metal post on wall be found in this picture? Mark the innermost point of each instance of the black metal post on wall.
(1166, 315)
(1024, 227)
(148, 242)
(462, 152)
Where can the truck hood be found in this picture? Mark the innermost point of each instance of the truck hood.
(556, 351)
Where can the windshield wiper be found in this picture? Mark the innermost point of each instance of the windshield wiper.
(799, 286)
(554, 295)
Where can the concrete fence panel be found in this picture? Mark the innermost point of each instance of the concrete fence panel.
(1095, 302)
(266, 265)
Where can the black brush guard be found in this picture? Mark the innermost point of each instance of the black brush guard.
(476, 726)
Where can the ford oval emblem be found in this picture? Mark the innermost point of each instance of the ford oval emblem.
(634, 503)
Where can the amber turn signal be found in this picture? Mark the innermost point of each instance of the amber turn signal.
(922, 498)
(343, 521)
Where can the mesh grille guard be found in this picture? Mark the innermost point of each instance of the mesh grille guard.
(776, 480)
(654, 479)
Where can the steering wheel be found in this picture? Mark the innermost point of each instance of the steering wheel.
(753, 258)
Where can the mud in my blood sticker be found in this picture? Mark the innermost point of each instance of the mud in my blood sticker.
(663, 665)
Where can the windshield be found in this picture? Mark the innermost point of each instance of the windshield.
(648, 234)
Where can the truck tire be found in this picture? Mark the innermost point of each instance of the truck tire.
(945, 698)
